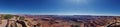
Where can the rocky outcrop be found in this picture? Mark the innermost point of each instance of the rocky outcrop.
(22, 23)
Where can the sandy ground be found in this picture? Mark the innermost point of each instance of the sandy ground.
(4, 22)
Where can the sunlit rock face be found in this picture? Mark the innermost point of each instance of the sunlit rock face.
(116, 24)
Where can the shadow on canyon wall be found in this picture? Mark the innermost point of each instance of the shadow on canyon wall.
(22, 23)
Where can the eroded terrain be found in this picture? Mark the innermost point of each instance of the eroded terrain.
(60, 21)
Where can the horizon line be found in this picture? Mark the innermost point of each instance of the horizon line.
(60, 14)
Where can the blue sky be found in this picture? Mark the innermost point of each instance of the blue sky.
(71, 7)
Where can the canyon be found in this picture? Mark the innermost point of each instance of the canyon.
(60, 21)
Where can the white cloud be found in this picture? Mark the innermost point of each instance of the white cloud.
(62, 14)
